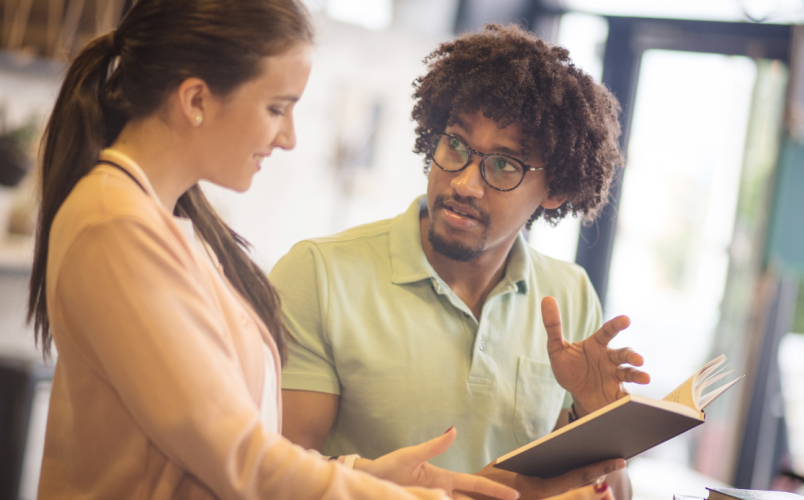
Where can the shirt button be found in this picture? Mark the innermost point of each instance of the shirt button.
(482, 345)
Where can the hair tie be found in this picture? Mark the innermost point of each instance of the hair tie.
(115, 61)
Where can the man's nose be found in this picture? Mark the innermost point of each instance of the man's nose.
(469, 182)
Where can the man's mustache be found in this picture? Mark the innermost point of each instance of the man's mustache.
(484, 218)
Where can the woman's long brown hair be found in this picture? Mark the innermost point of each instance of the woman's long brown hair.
(128, 74)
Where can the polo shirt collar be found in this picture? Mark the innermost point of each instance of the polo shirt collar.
(409, 264)
(518, 269)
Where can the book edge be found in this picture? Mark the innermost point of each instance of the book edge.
(656, 403)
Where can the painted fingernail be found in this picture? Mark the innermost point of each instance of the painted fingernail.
(600, 488)
(450, 428)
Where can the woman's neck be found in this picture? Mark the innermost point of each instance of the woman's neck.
(161, 154)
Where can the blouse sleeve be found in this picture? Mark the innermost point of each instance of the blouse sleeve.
(142, 317)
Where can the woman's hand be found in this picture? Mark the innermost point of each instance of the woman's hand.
(534, 488)
(409, 467)
(589, 370)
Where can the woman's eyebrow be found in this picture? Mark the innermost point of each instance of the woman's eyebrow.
(290, 98)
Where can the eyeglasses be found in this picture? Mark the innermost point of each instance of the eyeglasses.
(504, 172)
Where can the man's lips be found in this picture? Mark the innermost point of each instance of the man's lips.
(460, 216)
(462, 210)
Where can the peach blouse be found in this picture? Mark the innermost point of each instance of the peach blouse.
(159, 379)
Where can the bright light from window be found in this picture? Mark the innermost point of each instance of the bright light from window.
(584, 36)
(676, 214)
(371, 14)
(773, 11)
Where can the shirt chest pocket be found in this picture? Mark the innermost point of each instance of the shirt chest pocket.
(538, 401)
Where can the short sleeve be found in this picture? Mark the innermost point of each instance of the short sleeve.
(300, 278)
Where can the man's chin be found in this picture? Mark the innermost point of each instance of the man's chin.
(453, 250)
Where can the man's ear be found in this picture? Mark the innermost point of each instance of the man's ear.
(553, 202)
(193, 96)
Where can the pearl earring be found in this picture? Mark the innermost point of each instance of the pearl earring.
(198, 119)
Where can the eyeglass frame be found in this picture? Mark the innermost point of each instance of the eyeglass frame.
(482, 165)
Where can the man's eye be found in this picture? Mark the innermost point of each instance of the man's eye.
(454, 143)
(503, 166)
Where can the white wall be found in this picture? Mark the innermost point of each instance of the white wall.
(298, 194)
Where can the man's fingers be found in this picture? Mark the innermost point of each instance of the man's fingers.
(631, 374)
(551, 316)
(626, 356)
(477, 484)
(610, 329)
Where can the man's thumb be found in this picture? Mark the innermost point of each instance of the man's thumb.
(551, 316)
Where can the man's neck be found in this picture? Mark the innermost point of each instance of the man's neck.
(471, 281)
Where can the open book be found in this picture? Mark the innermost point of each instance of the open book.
(622, 429)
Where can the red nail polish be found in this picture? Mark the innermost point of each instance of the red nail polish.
(600, 488)
(450, 428)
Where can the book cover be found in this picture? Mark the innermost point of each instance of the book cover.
(735, 494)
(622, 429)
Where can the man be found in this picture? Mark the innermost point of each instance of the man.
(443, 315)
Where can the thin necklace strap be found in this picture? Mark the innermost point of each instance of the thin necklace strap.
(125, 172)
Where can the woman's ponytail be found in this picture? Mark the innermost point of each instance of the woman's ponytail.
(128, 74)
(76, 133)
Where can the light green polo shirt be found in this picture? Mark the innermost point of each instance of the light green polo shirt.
(376, 325)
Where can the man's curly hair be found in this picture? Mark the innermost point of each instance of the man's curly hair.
(514, 77)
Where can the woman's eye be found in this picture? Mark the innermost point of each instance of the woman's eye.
(276, 112)
(454, 143)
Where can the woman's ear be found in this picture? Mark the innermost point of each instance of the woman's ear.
(194, 98)
(553, 202)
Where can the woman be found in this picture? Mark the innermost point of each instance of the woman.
(170, 341)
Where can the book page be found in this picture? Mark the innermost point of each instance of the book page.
(684, 394)
(689, 392)
(714, 394)
(710, 380)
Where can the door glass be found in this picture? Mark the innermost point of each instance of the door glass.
(676, 214)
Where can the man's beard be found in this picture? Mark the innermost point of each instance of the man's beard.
(454, 250)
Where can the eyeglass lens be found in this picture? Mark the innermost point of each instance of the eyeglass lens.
(499, 171)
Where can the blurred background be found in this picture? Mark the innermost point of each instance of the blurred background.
(702, 244)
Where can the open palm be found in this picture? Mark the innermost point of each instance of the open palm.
(589, 370)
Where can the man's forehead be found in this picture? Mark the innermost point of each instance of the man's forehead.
(466, 122)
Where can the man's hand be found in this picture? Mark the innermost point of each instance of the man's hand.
(534, 488)
(589, 370)
(409, 467)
